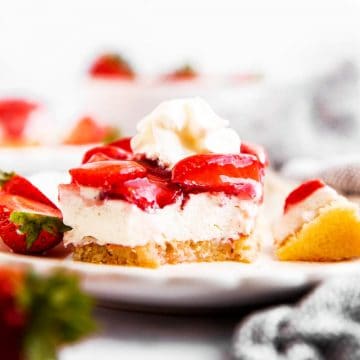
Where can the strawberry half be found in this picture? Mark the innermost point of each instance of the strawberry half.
(27, 226)
(112, 66)
(106, 152)
(14, 184)
(227, 173)
(302, 192)
(107, 174)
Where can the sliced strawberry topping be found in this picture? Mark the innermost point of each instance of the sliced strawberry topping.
(106, 152)
(106, 174)
(153, 168)
(302, 192)
(14, 184)
(148, 192)
(228, 173)
(97, 157)
(257, 150)
(88, 131)
(123, 143)
(13, 116)
(112, 66)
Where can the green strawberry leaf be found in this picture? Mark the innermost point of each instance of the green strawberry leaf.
(58, 313)
(186, 69)
(5, 177)
(112, 135)
(121, 61)
(31, 224)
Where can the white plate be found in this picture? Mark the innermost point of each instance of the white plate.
(32, 159)
(203, 285)
(190, 286)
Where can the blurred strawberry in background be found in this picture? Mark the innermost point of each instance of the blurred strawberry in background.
(88, 131)
(40, 314)
(112, 66)
(14, 114)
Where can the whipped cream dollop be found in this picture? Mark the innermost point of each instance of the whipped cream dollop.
(183, 127)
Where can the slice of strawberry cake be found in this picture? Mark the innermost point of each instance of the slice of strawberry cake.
(318, 224)
(179, 191)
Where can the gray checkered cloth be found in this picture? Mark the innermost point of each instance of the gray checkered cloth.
(340, 172)
(344, 178)
(325, 325)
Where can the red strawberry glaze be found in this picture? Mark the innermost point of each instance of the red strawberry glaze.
(123, 143)
(148, 192)
(227, 173)
(14, 114)
(105, 174)
(109, 152)
(143, 182)
(302, 192)
(255, 149)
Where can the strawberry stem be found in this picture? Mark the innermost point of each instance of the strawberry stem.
(31, 224)
(58, 313)
(5, 177)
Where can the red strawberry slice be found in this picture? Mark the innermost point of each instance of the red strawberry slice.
(13, 116)
(147, 192)
(112, 66)
(14, 184)
(98, 157)
(109, 152)
(302, 192)
(255, 149)
(106, 174)
(29, 227)
(227, 173)
(124, 143)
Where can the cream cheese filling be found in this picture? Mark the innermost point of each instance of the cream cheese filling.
(202, 217)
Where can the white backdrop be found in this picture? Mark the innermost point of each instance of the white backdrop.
(46, 45)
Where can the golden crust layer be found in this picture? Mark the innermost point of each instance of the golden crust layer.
(153, 255)
(333, 235)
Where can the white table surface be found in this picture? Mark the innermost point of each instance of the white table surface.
(135, 335)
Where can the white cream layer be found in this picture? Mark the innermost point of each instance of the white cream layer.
(305, 211)
(204, 217)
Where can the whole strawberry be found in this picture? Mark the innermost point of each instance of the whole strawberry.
(185, 72)
(12, 317)
(29, 222)
(89, 131)
(112, 66)
(39, 314)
